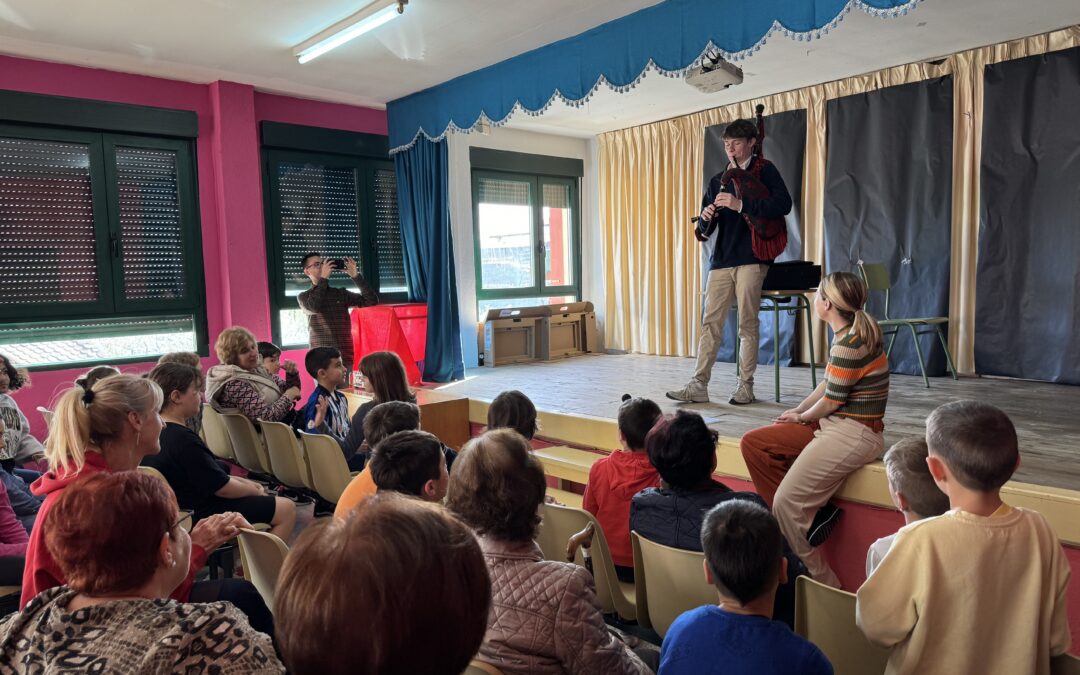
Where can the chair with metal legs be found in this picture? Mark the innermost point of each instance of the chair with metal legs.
(877, 278)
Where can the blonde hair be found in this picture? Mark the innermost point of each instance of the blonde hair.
(231, 342)
(848, 294)
(84, 417)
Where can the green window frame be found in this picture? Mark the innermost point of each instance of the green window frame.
(536, 183)
(377, 230)
(129, 301)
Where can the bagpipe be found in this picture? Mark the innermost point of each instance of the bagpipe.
(768, 236)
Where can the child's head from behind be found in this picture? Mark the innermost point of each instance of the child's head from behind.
(183, 358)
(324, 364)
(513, 410)
(386, 378)
(95, 375)
(912, 487)
(390, 418)
(743, 550)
(682, 449)
(411, 462)
(636, 417)
(269, 357)
(975, 441)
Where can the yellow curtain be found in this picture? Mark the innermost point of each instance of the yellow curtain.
(651, 182)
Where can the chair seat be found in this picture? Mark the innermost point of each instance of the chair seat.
(920, 321)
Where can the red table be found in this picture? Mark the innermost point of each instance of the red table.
(399, 328)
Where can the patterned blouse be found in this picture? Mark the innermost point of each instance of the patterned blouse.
(132, 636)
(245, 398)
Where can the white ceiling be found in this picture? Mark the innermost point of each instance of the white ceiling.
(436, 40)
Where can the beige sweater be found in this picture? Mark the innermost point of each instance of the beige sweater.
(961, 593)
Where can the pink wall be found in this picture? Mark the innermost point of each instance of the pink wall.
(230, 184)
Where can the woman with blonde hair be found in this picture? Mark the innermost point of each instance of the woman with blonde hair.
(800, 461)
(240, 383)
(110, 428)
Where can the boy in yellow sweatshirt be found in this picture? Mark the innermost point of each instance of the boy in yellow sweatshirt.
(980, 589)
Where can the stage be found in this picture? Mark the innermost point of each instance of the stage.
(1045, 414)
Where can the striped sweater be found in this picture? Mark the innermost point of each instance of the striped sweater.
(857, 379)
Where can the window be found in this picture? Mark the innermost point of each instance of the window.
(340, 204)
(100, 247)
(527, 239)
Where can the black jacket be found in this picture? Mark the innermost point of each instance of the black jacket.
(733, 245)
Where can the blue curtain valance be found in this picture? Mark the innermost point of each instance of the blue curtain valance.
(669, 37)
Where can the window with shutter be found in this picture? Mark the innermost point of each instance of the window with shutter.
(338, 206)
(99, 244)
(48, 234)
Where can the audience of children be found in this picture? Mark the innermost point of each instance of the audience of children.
(199, 481)
(980, 589)
(382, 374)
(683, 450)
(513, 410)
(744, 559)
(239, 383)
(615, 479)
(411, 462)
(912, 489)
(400, 586)
(382, 421)
(545, 617)
(116, 540)
(109, 428)
(327, 409)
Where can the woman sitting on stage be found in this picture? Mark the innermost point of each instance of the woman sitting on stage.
(241, 384)
(799, 462)
(117, 539)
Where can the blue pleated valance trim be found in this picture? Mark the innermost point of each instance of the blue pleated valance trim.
(670, 38)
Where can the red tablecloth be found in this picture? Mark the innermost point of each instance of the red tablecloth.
(399, 328)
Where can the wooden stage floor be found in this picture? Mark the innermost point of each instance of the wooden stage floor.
(1047, 416)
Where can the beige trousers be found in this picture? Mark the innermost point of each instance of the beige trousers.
(839, 447)
(743, 285)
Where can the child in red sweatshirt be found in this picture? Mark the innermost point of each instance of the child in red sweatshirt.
(615, 479)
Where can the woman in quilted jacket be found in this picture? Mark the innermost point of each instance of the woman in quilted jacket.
(545, 617)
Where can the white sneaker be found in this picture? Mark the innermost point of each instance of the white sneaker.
(694, 392)
(743, 394)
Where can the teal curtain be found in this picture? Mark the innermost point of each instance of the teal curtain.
(424, 207)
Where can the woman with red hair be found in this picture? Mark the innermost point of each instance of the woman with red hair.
(113, 615)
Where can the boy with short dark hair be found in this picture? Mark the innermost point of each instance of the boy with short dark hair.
(269, 357)
(411, 462)
(912, 489)
(980, 589)
(744, 560)
(327, 409)
(615, 479)
(382, 421)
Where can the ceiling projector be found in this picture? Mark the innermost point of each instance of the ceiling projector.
(713, 75)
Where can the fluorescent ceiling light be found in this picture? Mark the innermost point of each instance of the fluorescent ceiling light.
(367, 19)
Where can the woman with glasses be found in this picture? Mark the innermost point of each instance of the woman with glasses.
(800, 461)
(113, 615)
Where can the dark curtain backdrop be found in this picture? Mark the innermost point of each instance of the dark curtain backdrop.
(785, 146)
(888, 199)
(423, 202)
(1027, 291)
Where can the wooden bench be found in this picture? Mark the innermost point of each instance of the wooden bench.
(566, 463)
(565, 497)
